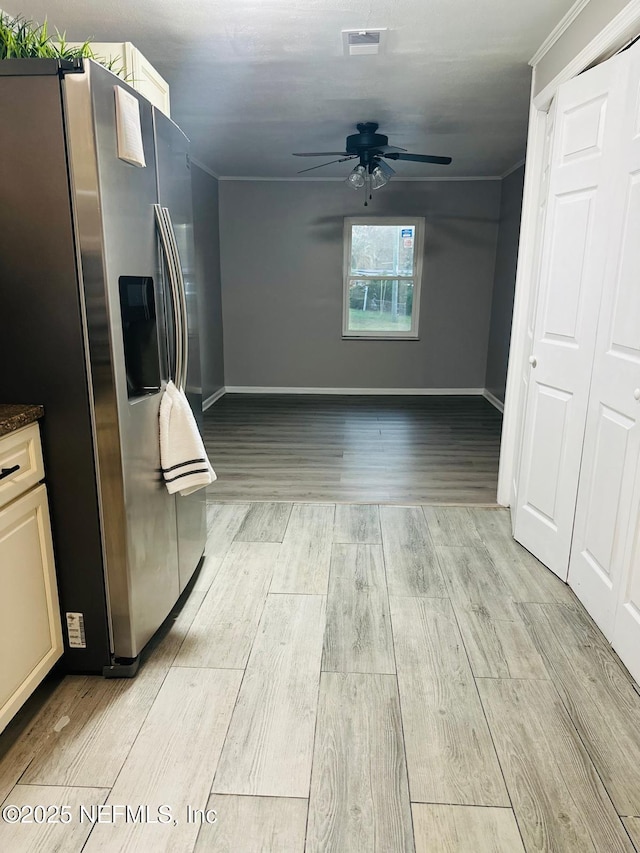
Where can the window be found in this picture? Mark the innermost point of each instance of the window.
(382, 274)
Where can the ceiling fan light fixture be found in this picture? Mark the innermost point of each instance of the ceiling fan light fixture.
(386, 169)
(378, 178)
(372, 150)
(357, 178)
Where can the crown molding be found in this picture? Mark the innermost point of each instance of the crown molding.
(512, 169)
(561, 27)
(261, 178)
(614, 36)
(394, 180)
(204, 168)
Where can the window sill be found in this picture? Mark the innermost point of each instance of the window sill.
(380, 337)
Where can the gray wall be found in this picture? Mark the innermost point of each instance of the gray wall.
(504, 283)
(206, 226)
(281, 258)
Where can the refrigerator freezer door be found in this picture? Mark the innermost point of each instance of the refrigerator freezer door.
(174, 193)
(118, 258)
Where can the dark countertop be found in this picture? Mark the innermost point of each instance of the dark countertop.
(14, 416)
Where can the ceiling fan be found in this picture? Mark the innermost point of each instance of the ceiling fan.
(369, 148)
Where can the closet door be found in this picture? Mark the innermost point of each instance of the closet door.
(626, 632)
(601, 554)
(533, 296)
(587, 126)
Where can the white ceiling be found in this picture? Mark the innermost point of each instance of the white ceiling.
(253, 80)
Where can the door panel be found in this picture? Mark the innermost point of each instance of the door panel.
(571, 230)
(603, 501)
(574, 246)
(626, 636)
(533, 296)
(601, 558)
(174, 192)
(583, 130)
(625, 336)
(549, 420)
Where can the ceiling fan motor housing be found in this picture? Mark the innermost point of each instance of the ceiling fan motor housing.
(366, 138)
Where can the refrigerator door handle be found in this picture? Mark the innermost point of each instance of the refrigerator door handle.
(182, 297)
(170, 264)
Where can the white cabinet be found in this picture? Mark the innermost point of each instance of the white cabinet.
(136, 69)
(30, 629)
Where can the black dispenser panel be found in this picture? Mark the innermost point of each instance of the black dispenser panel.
(140, 334)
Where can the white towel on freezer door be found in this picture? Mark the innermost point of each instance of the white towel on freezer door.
(184, 461)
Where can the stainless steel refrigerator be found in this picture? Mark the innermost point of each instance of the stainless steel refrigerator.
(98, 310)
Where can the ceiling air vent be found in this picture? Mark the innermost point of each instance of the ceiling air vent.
(363, 42)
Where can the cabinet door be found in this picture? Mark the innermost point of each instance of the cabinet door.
(588, 115)
(135, 68)
(600, 554)
(30, 632)
(149, 83)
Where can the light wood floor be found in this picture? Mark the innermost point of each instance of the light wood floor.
(353, 449)
(353, 679)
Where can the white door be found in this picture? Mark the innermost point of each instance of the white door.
(612, 437)
(623, 355)
(626, 633)
(589, 111)
(603, 549)
(533, 296)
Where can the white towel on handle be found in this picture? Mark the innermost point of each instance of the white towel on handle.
(184, 461)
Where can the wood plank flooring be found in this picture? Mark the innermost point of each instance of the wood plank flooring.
(358, 635)
(359, 449)
(465, 829)
(410, 558)
(172, 761)
(254, 825)
(450, 755)
(353, 679)
(548, 770)
(359, 795)
(269, 745)
(632, 825)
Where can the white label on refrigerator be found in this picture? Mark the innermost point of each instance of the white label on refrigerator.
(128, 128)
(75, 631)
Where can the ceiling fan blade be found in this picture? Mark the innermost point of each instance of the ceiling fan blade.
(321, 154)
(419, 158)
(311, 168)
(389, 148)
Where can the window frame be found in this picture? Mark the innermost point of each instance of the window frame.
(418, 255)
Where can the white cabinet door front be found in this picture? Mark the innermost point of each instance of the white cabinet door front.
(30, 632)
(612, 439)
(589, 111)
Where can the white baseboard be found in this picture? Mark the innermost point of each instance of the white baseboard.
(408, 392)
(212, 399)
(380, 392)
(493, 400)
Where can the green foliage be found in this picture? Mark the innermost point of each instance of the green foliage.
(23, 39)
